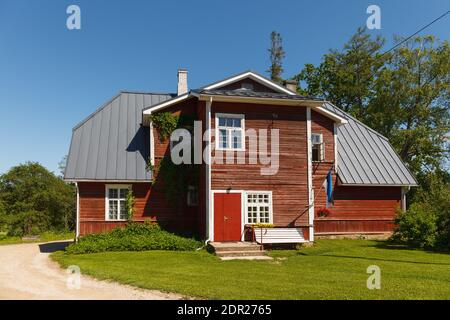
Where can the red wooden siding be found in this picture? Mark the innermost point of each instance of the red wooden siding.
(289, 186)
(151, 201)
(151, 204)
(360, 210)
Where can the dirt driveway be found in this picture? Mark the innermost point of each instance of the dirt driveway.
(27, 272)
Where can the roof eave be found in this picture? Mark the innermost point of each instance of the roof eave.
(315, 104)
(377, 185)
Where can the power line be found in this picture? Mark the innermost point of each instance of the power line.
(415, 33)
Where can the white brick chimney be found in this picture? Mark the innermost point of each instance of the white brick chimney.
(182, 82)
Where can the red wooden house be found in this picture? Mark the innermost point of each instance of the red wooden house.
(110, 151)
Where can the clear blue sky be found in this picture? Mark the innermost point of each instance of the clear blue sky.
(51, 78)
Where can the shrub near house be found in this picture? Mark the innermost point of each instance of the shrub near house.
(134, 237)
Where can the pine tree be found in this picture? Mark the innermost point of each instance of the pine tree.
(276, 57)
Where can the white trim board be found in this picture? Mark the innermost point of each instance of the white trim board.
(77, 227)
(254, 76)
(310, 186)
(208, 201)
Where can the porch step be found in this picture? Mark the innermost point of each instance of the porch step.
(235, 246)
(238, 250)
(251, 253)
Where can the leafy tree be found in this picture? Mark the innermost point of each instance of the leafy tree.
(276, 57)
(411, 105)
(403, 94)
(35, 200)
(346, 77)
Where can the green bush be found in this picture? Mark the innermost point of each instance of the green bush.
(134, 237)
(426, 223)
(416, 226)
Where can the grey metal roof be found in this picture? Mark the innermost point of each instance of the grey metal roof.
(254, 94)
(365, 157)
(110, 144)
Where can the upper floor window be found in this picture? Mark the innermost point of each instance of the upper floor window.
(116, 199)
(318, 148)
(230, 131)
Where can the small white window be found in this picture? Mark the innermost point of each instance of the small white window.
(259, 207)
(192, 196)
(116, 198)
(318, 148)
(230, 132)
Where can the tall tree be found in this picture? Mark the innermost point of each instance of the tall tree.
(277, 55)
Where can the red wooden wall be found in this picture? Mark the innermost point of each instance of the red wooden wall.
(289, 185)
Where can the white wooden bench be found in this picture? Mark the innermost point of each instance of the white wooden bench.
(279, 235)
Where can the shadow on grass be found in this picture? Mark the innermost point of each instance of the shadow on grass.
(376, 259)
(53, 246)
(390, 245)
(383, 245)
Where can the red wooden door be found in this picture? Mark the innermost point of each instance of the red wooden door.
(227, 216)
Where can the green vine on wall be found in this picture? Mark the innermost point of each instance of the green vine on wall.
(165, 123)
(130, 202)
(175, 178)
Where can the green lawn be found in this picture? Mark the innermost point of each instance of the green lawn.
(332, 269)
(44, 237)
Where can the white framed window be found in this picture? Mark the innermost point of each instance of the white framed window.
(115, 202)
(258, 207)
(192, 196)
(318, 147)
(230, 131)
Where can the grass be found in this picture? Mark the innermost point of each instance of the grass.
(44, 237)
(332, 269)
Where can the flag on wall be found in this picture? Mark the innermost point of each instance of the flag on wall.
(329, 189)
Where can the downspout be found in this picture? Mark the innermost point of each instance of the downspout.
(77, 224)
(310, 186)
(209, 218)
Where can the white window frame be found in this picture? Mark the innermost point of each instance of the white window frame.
(189, 202)
(114, 186)
(322, 147)
(247, 204)
(242, 129)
